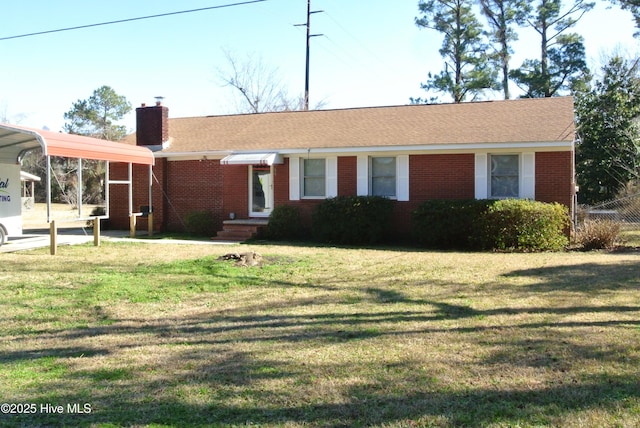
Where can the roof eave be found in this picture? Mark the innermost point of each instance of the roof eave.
(467, 147)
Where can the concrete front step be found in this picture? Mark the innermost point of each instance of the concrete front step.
(241, 230)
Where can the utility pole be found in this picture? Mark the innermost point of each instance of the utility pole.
(309, 36)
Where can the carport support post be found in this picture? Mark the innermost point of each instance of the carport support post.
(150, 221)
(53, 229)
(53, 234)
(132, 226)
(150, 218)
(96, 231)
(132, 217)
(79, 174)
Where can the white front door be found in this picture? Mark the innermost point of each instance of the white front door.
(260, 191)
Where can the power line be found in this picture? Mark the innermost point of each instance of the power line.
(365, 47)
(131, 19)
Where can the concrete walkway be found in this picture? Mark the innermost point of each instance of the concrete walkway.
(39, 238)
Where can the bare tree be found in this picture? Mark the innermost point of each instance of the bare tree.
(258, 86)
(6, 118)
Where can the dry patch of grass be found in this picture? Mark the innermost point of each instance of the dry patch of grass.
(169, 336)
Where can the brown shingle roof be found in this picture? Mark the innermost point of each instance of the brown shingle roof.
(514, 121)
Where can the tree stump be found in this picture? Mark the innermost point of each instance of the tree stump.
(249, 258)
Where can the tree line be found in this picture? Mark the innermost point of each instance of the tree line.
(478, 58)
(477, 55)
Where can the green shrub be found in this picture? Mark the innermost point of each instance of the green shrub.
(447, 223)
(505, 225)
(522, 225)
(285, 223)
(352, 219)
(597, 234)
(200, 223)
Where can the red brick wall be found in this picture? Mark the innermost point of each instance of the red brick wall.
(118, 197)
(207, 185)
(281, 183)
(441, 177)
(235, 191)
(554, 177)
(193, 185)
(348, 176)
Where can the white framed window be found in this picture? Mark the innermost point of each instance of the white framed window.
(504, 176)
(314, 178)
(382, 176)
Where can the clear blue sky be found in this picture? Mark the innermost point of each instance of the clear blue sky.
(371, 53)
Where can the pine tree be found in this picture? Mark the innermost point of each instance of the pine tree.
(96, 116)
(502, 16)
(467, 68)
(562, 65)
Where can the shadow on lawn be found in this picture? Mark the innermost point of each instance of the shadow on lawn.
(207, 381)
(584, 278)
(320, 327)
(67, 352)
(367, 404)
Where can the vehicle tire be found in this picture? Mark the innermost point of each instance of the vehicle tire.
(3, 236)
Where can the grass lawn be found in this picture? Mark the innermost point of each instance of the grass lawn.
(166, 335)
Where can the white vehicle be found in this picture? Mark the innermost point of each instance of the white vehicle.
(10, 202)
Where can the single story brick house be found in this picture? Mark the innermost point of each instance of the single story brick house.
(242, 166)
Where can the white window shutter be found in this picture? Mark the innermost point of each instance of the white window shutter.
(482, 168)
(294, 178)
(528, 180)
(402, 178)
(363, 175)
(332, 176)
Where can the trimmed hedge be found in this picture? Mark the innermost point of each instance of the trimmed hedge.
(447, 223)
(504, 225)
(352, 220)
(285, 223)
(523, 225)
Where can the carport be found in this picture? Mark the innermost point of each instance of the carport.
(15, 141)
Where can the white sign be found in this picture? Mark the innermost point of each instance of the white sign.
(10, 201)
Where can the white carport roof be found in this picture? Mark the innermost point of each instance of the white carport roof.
(16, 140)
